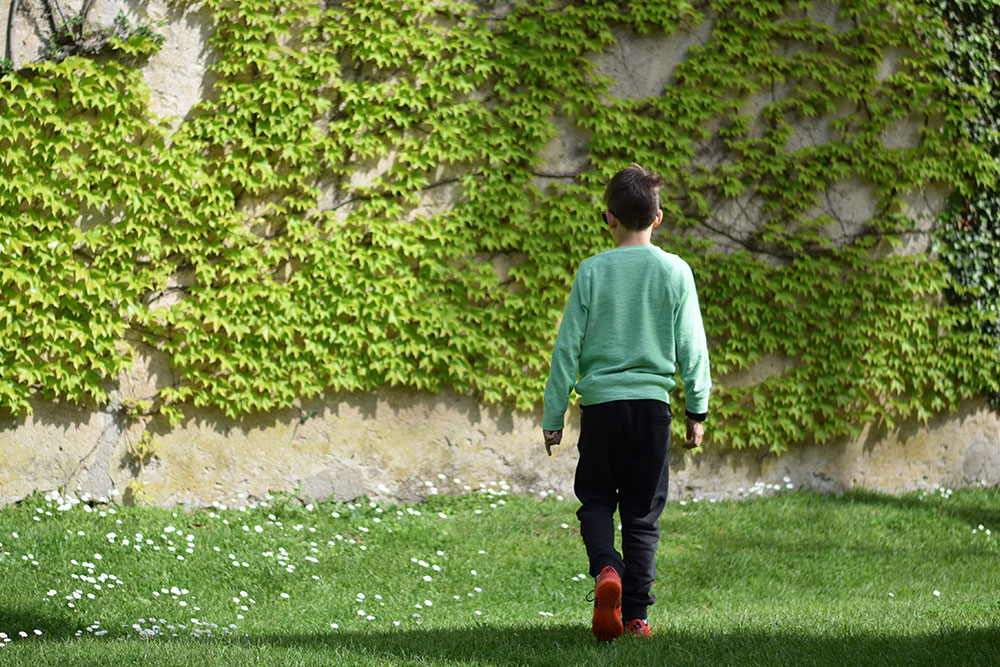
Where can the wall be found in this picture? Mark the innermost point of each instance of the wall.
(403, 444)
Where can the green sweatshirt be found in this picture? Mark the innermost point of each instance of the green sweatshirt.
(632, 319)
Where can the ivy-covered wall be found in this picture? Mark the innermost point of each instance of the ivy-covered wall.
(969, 235)
(278, 244)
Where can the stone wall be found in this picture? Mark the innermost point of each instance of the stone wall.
(403, 445)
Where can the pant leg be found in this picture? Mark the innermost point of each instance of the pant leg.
(643, 472)
(595, 484)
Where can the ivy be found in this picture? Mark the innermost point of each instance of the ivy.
(283, 242)
(969, 237)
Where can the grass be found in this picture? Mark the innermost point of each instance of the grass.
(487, 578)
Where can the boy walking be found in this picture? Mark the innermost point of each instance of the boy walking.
(631, 322)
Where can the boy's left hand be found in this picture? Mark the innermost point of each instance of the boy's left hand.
(695, 434)
(552, 438)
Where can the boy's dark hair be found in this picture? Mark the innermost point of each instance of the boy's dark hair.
(633, 196)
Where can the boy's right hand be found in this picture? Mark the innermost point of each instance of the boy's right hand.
(552, 438)
(695, 434)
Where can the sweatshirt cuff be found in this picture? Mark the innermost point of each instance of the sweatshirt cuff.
(696, 417)
(553, 424)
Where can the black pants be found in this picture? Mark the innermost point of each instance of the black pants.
(623, 464)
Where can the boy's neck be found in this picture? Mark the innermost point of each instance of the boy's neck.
(624, 236)
(642, 237)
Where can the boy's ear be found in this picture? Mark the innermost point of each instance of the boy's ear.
(659, 219)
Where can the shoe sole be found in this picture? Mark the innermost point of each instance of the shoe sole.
(607, 622)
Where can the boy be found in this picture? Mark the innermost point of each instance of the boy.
(631, 321)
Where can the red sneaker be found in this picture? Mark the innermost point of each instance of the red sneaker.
(607, 622)
(639, 628)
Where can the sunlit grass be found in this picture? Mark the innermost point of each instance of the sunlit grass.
(489, 578)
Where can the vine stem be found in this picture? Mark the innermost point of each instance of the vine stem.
(9, 55)
(86, 9)
(61, 14)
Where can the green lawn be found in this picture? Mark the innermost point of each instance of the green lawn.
(487, 578)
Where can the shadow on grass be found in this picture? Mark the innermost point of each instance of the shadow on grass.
(563, 644)
(13, 621)
(958, 508)
(574, 645)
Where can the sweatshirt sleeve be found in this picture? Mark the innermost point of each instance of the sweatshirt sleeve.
(566, 354)
(691, 348)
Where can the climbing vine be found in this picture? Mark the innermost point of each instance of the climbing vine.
(969, 236)
(284, 242)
